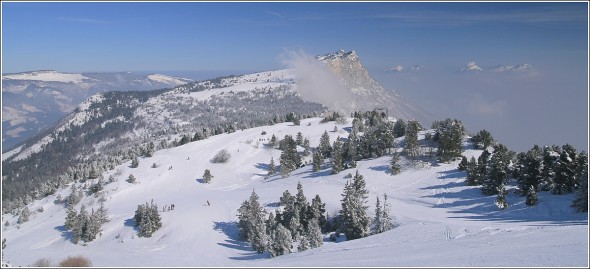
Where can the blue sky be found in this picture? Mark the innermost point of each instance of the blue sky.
(244, 37)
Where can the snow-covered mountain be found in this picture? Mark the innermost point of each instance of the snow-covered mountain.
(471, 67)
(32, 101)
(363, 92)
(440, 220)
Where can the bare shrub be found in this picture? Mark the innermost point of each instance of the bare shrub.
(76, 261)
(42, 262)
(221, 157)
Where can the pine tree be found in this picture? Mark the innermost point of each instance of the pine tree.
(532, 175)
(252, 226)
(411, 139)
(463, 164)
(482, 166)
(134, 162)
(303, 243)
(386, 217)
(531, 196)
(281, 241)
(306, 148)
(399, 128)
(550, 157)
(394, 164)
(299, 139)
(355, 221)
(92, 227)
(71, 215)
(472, 172)
(271, 167)
(449, 135)
(501, 199)
(324, 148)
(131, 178)
(350, 149)
(79, 227)
(24, 215)
(318, 209)
(273, 142)
(102, 213)
(317, 161)
(580, 202)
(377, 223)
(314, 234)
(337, 164)
(290, 159)
(207, 176)
(563, 174)
(498, 171)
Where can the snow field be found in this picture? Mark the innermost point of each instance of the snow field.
(442, 222)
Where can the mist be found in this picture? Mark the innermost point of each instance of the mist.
(519, 109)
(317, 83)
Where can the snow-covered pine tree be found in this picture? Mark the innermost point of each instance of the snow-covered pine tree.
(482, 166)
(306, 148)
(317, 161)
(580, 202)
(501, 199)
(271, 167)
(497, 174)
(273, 142)
(207, 176)
(354, 219)
(314, 233)
(282, 241)
(350, 149)
(394, 164)
(377, 223)
(252, 221)
(102, 213)
(134, 162)
(92, 227)
(325, 148)
(131, 178)
(550, 157)
(337, 164)
(303, 243)
(565, 171)
(463, 164)
(318, 209)
(386, 217)
(532, 175)
(24, 215)
(472, 171)
(399, 128)
(79, 227)
(299, 139)
(71, 215)
(411, 147)
(531, 196)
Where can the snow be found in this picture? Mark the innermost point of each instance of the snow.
(168, 79)
(471, 66)
(49, 75)
(442, 222)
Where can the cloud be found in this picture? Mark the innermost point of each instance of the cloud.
(84, 20)
(316, 82)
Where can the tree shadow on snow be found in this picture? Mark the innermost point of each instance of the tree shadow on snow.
(200, 180)
(381, 168)
(68, 235)
(130, 222)
(230, 229)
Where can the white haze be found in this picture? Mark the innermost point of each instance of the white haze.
(316, 82)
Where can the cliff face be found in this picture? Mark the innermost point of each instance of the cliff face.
(368, 94)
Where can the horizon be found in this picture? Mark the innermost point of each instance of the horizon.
(520, 109)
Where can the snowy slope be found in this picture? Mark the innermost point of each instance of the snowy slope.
(442, 222)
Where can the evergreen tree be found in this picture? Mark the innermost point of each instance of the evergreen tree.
(337, 164)
(306, 148)
(550, 157)
(472, 172)
(303, 243)
(501, 199)
(147, 219)
(531, 196)
(314, 234)
(497, 174)
(71, 215)
(252, 226)
(580, 202)
(449, 135)
(273, 142)
(281, 242)
(131, 178)
(350, 149)
(482, 140)
(532, 175)
(271, 167)
(324, 148)
(74, 197)
(207, 176)
(318, 209)
(134, 162)
(377, 223)
(411, 147)
(394, 164)
(24, 215)
(565, 172)
(463, 164)
(244, 223)
(299, 139)
(102, 213)
(317, 161)
(92, 227)
(290, 159)
(386, 215)
(355, 221)
(482, 166)
(80, 225)
(399, 128)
